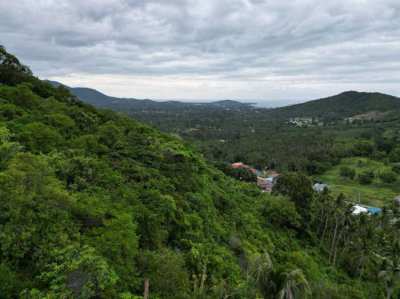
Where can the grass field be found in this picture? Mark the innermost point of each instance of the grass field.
(376, 194)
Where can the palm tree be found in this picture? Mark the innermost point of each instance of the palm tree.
(260, 267)
(390, 273)
(259, 272)
(390, 277)
(295, 285)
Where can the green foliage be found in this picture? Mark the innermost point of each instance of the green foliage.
(366, 177)
(7, 148)
(10, 283)
(298, 188)
(166, 273)
(11, 70)
(79, 272)
(241, 174)
(395, 155)
(363, 148)
(347, 172)
(396, 168)
(375, 194)
(38, 137)
(388, 177)
(281, 213)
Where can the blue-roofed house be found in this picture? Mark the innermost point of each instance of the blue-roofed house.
(374, 210)
(361, 209)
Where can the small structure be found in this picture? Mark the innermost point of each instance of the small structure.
(357, 210)
(363, 209)
(272, 174)
(267, 183)
(374, 210)
(241, 165)
(238, 165)
(320, 187)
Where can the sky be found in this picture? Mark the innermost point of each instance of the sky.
(196, 50)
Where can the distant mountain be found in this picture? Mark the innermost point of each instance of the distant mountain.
(343, 105)
(99, 99)
(340, 106)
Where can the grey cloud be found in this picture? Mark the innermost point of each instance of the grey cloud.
(311, 41)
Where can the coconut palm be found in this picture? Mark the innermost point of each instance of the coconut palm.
(259, 271)
(390, 277)
(261, 266)
(295, 285)
(390, 273)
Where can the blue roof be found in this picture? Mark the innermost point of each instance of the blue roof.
(374, 210)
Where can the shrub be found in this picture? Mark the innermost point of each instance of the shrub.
(396, 168)
(241, 174)
(347, 172)
(395, 155)
(388, 177)
(281, 213)
(366, 177)
(363, 149)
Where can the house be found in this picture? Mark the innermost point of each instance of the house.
(240, 165)
(374, 210)
(357, 210)
(267, 183)
(320, 187)
(272, 174)
(363, 209)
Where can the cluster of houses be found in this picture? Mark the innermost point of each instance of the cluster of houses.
(356, 209)
(305, 122)
(265, 179)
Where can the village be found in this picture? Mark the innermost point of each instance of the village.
(266, 180)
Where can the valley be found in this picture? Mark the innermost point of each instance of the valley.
(96, 204)
(317, 137)
(199, 149)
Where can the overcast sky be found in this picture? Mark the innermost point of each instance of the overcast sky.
(209, 49)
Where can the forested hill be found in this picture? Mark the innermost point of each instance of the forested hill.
(340, 106)
(99, 99)
(93, 203)
(337, 107)
(96, 205)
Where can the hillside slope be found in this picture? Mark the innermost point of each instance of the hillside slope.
(94, 204)
(340, 106)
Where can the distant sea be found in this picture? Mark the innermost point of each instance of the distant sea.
(275, 104)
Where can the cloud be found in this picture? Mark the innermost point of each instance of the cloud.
(248, 49)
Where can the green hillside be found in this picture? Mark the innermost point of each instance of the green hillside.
(376, 193)
(96, 205)
(340, 106)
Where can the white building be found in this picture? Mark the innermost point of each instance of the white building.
(357, 210)
(319, 187)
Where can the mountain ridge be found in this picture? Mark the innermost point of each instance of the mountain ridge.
(342, 105)
(99, 99)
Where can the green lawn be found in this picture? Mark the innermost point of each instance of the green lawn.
(375, 194)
